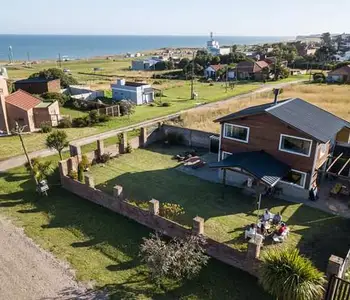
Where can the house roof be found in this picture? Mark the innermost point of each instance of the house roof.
(43, 104)
(217, 67)
(260, 164)
(345, 70)
(34, 80)
(300, 114)
(251, 66)
(22, 100)
(262, 64)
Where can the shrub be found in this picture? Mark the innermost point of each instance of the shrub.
(211, 84)
(129, 148)
(171, 210)
(73, 174)
(93, 117)
(104, 158)
(103, 118)
(157, 82)
(285, 274)
(166, 104)
(65, 123)
(81, 122)
(152, 104)
(174, 138)
(45, 127)
(319, 77)
(55, 73)
(85, 163)
(158, 94)
(127, 107)
(61, 98)
(177, 259)
(81, 172)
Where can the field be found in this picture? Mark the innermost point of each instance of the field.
(103, 247)
(151, 173)
(334, 98)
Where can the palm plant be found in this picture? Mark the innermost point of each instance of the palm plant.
(42, 169)
(287, 275)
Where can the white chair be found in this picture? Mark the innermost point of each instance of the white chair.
(280, 238)
(251, 233)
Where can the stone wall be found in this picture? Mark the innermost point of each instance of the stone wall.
(246, 261)
(192, 137)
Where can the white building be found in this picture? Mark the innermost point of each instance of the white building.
(144, 64)
(139, 93)
(213, 47)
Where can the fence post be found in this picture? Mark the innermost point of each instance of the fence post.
(198, 225)
(118, 192)
(100, 148)
(334, 266)
(89, 180)
(123, 142)
(153, 207)
(75, 150)
(254, 246)
(143, 136)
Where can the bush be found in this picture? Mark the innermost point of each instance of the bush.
(157, 82)
(45, 128)
(93, 117)
(55, 73)
(81, 172)
(174, 138)
(166, 104)
(158, 94)
(127, 107)
(129, 148)
(171, 210)
(319, 77)
(81, 122)
(104, 158)
(65, 123)
(73, 174)
(85, 163)
(62, 99)
(103, 118)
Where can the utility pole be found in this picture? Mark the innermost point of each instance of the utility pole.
(18, 131)
(226, 79)
(192, 76)
(59, 60)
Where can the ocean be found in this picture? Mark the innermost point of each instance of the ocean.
(81, 46)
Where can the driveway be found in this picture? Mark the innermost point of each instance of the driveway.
(28, 272)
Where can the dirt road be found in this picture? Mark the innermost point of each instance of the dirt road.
(28, 272)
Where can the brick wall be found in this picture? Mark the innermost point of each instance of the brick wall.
(153, 221)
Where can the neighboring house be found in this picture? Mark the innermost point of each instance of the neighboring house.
(281, 144)
(82, 92)
(251, 70)
(144, 64)
(341, 75)
(28, 111)
(38, 85)
(210, 71)
(139, 93)
(271, 60)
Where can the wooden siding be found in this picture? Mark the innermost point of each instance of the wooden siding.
(265, 131)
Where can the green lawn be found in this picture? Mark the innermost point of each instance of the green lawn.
(103, 246)
(150, 173)
(177, 96)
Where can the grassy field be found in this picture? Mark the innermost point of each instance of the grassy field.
(103, 246)
(333, 98)
(151, 173)
(178, 96)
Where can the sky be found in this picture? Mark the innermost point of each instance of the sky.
(179, 17)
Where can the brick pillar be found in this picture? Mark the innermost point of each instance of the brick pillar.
(153, 207)
(334, 265)
(118, 192)
(254, 246)
(143, 136)
(74, 150)
(123, 142)
(89, 180)
(100, 147)
(198, 225)
(63, 168)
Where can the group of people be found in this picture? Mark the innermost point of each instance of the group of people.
(267, 221)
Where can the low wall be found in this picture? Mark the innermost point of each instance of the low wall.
(245, 261)
(192, 137)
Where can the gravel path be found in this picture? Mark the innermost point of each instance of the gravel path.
(28, 272)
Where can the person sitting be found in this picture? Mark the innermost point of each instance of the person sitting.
(250, 231)
(282, 230)
(266, 216)
(277, 219)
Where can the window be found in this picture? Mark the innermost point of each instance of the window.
(295, 145)
(322, 150)
(296, 178)
(236, 132)
(225, 154)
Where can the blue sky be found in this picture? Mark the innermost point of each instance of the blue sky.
(179, 17)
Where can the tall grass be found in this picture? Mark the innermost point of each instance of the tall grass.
(333, 98)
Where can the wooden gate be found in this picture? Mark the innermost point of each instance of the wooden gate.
(338, 289)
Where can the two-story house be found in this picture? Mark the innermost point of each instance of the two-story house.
(138, 92)
(282, 144)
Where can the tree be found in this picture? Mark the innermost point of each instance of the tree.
(127, 107)
(57, 140)
(326, 39)
(42, 170)
(177, 259)
(287, 275)
(61, 98)
(183, 63)
(55, 73)
(215, 60)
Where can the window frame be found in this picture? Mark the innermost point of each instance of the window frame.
(235, 139)
(223, 153)
(294, 184)
(282, 135)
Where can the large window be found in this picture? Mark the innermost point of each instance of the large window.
(236, 132)
(296, 178)
(295, 145)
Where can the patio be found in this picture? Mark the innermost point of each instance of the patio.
(153, 173)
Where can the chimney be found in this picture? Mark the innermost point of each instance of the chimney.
(276, 93)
